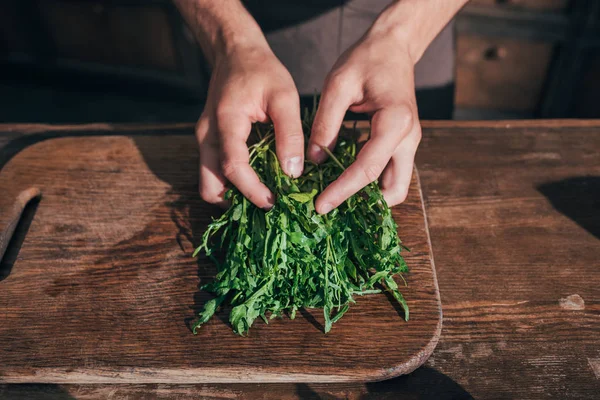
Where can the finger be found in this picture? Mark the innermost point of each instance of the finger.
(211, 181)
(284, 111)
(334, 102)
(234, 130)
(396, 177)
(389, 127)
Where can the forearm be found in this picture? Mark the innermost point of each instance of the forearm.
(220, 26)
(416, 22)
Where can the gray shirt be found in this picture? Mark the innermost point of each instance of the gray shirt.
(308, 37)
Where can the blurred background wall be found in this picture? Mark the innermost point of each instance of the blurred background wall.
(135, 61)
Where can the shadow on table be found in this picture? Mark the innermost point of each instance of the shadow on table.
(14, 245)
(34, 392)
(423, 384)
(174, 160)
(577, 198)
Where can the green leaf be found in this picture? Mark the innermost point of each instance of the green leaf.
(340, 314)
(303, 197)
(237, 213)
(400, 299)
(208, 311)
(327, 315)
(350, 269)
(237, 318)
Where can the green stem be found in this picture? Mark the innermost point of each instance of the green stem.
(334, 158)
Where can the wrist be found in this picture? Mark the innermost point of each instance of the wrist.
(230, 43)
(413, 24)
(397, 37)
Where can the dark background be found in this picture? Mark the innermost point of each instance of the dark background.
(71, 61)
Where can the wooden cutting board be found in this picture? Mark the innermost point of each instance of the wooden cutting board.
(104, 288)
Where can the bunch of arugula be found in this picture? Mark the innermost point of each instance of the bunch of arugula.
(278, 261)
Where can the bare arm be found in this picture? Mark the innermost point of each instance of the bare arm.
(220, 26)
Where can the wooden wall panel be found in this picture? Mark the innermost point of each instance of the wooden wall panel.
(500, 73)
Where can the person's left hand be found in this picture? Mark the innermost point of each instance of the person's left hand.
(376, 77)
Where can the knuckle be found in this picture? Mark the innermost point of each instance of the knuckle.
(286, 98)
(201, 128)
(229, 169)
(396, 195)
(208, 149)
(251, 196)
(405, 115)
(210, 197)
(292, 138)
(413, 138)
(223, 110)
(372, 172)
(211, 193)
(401, 194)
(319, 127)
(417, 134)
(335, 83)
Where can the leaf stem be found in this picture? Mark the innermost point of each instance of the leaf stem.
(333, 157)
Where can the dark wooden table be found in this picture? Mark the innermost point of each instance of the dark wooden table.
(514, 217)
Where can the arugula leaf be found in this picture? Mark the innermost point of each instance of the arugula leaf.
(303, 197)
(288, 258)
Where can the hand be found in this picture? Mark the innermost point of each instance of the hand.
(376, 77)
(248, 85)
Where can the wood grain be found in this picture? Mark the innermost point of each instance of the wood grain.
(515, 219)
(104, 287)
(506, 255)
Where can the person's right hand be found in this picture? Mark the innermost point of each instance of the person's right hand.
(248, 85)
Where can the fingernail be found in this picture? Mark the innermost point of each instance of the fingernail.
(293, 166)
(316, 153)
(269, 205)
(326, 208)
